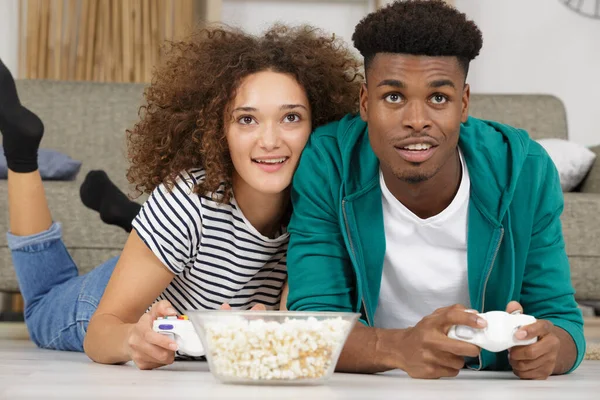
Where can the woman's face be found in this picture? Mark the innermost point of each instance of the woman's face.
(267, 128)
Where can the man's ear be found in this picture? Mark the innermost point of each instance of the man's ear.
(466, 98)
(364, 97)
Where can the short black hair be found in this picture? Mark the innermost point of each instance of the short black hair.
(418, 27)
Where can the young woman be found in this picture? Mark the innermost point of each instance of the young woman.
(226, 120)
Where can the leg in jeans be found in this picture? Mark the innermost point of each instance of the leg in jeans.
(58, 302)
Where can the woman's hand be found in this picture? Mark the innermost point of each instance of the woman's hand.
(149, 349)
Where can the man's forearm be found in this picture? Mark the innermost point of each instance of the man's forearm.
(367, 351)
(567, 354)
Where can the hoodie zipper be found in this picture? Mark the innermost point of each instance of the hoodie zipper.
(354, 255)
(487, 278)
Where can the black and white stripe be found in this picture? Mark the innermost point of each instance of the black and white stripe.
(216, 254)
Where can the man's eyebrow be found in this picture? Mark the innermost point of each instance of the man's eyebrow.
(442, 82)
(392, 82)
(400, 85)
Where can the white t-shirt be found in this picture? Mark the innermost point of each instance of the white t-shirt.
(217, 256)
(425, 265)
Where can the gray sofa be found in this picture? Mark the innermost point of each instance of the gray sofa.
(88, 121)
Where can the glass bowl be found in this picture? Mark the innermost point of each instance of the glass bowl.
(272, 347)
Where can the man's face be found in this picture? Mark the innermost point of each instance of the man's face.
(414, 106)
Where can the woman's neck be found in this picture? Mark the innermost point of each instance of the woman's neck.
(265, 211)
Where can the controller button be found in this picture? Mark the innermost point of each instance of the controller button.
(465, 332)
(165, 327)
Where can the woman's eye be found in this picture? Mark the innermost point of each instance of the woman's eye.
(246, 120)
(439, 99)
(393, 98)
(292, 118)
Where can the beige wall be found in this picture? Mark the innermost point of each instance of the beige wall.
(9, 26)
(540, 46)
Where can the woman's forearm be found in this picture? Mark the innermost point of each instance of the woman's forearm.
(106, 340)
(109, 331)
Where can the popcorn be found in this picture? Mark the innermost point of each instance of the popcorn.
(269, 350)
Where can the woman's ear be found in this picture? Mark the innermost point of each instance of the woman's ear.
(364, 98)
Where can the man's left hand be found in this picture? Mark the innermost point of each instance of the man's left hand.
(537, 360)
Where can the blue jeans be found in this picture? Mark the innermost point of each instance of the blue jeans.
(58, 301)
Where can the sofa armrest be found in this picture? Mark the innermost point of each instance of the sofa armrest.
(591, 183)
(581, 229)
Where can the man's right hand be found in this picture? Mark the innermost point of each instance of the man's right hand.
(426, 350)
(149, 349)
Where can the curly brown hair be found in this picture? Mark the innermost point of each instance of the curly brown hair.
(181, 125)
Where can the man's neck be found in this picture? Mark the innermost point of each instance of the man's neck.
(431, 197)
(264, 211)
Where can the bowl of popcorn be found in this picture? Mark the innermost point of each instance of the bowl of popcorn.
(272, 347)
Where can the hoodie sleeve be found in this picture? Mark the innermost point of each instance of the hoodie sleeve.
(320, 274)
(547, 292)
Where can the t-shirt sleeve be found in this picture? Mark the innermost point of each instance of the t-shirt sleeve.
(170, 222)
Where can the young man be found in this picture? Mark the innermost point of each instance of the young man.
(414, 212)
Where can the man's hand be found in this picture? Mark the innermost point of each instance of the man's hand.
(537, 360)
(427, 351)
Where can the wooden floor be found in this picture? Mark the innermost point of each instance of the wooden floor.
(30, 373)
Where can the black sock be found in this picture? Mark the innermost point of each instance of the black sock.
(21, 129)
(99, 193)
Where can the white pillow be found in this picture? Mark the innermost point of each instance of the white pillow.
(573, 161)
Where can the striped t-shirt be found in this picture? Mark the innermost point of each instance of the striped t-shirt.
(217, 256)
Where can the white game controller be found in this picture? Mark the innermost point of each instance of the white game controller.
(499, 335)
(181, 330)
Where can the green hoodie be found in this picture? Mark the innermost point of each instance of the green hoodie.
(515, 247)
